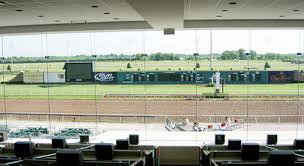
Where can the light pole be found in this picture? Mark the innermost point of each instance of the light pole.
(298, 96)
(145, 88)
(95, 86)
(48, 89)
(4, 90)
(145, 93)
(247, 91)
(211, 49)
(196, 55)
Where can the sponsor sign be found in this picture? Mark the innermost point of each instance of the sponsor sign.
(280, 76)
(36, 77)
(105, 77)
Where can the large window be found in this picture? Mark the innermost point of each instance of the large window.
(184, 87)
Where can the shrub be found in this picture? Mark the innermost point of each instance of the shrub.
(9, 68)
(210, 84)
(129, 66)
(197, 65)
(266, 66)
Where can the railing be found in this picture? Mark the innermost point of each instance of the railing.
(141, 115)
(271, 118)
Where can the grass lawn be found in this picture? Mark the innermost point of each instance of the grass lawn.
(160, 65)
(87, 91)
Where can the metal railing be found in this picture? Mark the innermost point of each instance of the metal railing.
(254, 118)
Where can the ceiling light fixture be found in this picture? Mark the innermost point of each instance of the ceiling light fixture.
(40, 16)
(106, 13)
(232, 3)
(78, 21)
(224, 10)
(282, 16)
(19, 10)
(3, 3)
(94, 6)
(116, 18)
(219, 16)
(296, 10)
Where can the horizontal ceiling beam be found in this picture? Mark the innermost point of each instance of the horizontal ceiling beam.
(132, 25)
(244, 24)
(142, 25)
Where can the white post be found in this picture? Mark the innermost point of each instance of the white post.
(217, 82)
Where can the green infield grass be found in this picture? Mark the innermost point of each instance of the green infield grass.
(87, 91)
(158, 65)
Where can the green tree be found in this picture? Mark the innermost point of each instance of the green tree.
(230, 55)
(242, 54)
(197, 65)
(253, 55)
(139, 57)
(261, 57)
(164, 56)
(129, 65)
(272, 56)
(9, 68)
(267, 66)
(156, 57)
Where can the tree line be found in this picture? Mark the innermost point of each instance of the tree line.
(239, 54)
(242, 55)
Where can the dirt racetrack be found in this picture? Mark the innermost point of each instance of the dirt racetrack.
(155, 107)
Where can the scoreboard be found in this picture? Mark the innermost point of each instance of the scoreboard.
(83, 72)
(79, 72)
(190, 77)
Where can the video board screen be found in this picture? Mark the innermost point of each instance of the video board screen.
(78, 72)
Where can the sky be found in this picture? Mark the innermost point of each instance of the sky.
(132, 42)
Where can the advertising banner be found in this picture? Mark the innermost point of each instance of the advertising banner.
(280, 76)
(31, 77)
(105, 77)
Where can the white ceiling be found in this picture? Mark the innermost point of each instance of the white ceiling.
(244, 9)
(161, 13)
(145, 14)
(65, 11)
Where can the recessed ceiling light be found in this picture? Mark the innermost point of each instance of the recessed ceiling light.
(224, 10)
(40, 16)
(106, 13)
(232, 3)
(219, 16)
(116, 18)
(94, 6)
(57, 21)
(19, 10)
(296, 10)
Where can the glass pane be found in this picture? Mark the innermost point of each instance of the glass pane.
(227, 99)
(120, 83)
(3, 117)
(25, 92)
(273, 103)
(170, 87)
(71, 86)
(299, 78)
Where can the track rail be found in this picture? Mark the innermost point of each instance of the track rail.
(139, 115)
